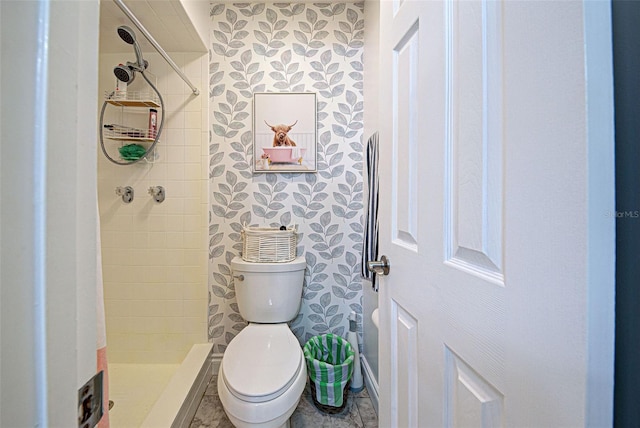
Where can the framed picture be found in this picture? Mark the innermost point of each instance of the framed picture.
(284, 132)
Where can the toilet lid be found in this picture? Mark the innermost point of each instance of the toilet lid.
(261, 362)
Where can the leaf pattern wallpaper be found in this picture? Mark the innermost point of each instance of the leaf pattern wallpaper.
(288, 47)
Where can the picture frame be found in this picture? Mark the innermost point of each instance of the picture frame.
(285, 132)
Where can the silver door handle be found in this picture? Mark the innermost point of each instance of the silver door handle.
(381, 267)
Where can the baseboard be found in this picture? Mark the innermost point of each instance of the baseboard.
(216, 360)
(370, 382)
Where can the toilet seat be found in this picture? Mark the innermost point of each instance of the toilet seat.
(268, 414)
(262, 362)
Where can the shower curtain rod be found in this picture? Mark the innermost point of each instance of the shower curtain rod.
(155, 44)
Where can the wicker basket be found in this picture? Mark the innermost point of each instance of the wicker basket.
(268, 245)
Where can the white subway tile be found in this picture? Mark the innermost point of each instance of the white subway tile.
(156, 274)
(175, 241)
(193, 189)
(175, 222)
(175, 171)
(176, 154)
(175, 274)
(175, 120)
(195, 307)
(158, 240)
(193, 120)
(173, 102)
(192, 206)
(173, 308)
(192, 137)
(174, 291)
(192, 102)
(154, 255)
(192, 155)
(174, 205)
(175, 257)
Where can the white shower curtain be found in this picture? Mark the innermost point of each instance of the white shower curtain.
(101, 342)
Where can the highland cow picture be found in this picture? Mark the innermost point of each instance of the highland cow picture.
(284, 132)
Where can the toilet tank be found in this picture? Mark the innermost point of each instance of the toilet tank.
(268, 292)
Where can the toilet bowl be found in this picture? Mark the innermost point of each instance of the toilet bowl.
(263, 371)
(262, 376)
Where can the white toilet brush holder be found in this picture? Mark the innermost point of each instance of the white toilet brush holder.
(357, 384)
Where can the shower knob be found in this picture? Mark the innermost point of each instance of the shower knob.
(157, 192)
(126, 193)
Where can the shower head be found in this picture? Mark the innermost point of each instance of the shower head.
(124, 73)
(129, 37)
(127, 34)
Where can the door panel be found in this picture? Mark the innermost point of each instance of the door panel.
(407, 363)
(405, 139)
(470, 400)
(484, 190)
(473, 196)
(405, 199)
(404, 361)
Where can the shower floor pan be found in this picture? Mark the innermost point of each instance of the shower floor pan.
(154, 395)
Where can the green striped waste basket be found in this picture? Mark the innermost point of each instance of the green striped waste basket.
(330, 366)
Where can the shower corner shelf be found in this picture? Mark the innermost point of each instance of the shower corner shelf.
(127, 125)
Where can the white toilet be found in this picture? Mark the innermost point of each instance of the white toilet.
(263, 371)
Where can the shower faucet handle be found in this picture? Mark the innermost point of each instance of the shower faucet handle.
(157, 192)
(126, 193)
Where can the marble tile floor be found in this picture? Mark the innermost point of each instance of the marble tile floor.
(358, 413)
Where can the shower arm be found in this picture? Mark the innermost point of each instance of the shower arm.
(155, 44)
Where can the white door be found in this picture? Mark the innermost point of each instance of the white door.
(488, 217)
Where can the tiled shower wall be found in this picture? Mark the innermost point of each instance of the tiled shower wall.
(155, 255)
(288, 47)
